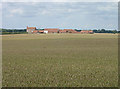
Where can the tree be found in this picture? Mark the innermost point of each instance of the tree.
(95, 30)
(114, 31)
(103, 31)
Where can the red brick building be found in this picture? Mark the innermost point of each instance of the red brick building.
(41, 31)
(86, 32)
(38, 31)
(62, 31)
(52, 30)
(68, 31)
(35, 31)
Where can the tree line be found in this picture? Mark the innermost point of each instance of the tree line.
(13, 31)
(102, 31)
(105, 31)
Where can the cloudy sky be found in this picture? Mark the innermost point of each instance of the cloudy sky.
(79, 15)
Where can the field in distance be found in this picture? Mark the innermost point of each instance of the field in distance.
(60, 60)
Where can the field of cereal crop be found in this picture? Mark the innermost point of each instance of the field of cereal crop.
(60, 60)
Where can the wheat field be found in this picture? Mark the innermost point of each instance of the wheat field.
(60, 60)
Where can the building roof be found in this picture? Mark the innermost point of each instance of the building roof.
(35, 31)
(86, 31)
(51, 29)
(68, 29)
(31, 27)
(41, 30)
(62, 30)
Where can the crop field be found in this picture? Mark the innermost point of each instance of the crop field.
(60, 60)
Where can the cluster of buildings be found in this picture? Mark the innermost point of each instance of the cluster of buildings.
(31, 30)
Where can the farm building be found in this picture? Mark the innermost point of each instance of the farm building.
(40, 31)
(35, 31)
(51, 30)
(45, 31)
(62, 31)
(57, 30)
(31, 29)
(68, 31)
(86, 32)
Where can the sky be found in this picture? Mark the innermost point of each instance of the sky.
(75, 15)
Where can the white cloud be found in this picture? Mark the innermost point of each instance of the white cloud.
(45, 12)
(60, 9)
(111, 7)
(71, 10)
(11, 12)
(16, 11)
(31, 3)
(106, 8)
(41, 13)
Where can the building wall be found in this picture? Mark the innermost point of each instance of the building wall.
(52, 30)
(30, 30)
(46, 31)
